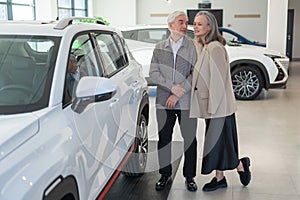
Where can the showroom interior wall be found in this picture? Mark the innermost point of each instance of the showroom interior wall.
(131, 12)
(118, 12)
(277, 39)
(254, 27)
(245, 26)
(46, 10)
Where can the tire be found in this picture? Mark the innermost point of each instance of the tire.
(136, 164)
(247, 82)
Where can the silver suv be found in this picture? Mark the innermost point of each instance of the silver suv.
(73, 107)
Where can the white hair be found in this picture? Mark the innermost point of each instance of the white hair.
(171, 18)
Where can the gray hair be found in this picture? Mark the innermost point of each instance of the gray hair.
(171, 18)
(214, 33)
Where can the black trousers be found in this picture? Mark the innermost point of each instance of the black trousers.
(166, 120)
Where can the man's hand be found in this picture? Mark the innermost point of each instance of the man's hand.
(171, 101)
(178, 90)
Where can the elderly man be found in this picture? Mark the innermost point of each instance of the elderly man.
(171, 69)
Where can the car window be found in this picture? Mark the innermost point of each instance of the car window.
(81, 62)
(40, 46)
(112, 53)
(123, 59)
(85, 53)
(25, 72)
(229, 37)
(132, 35)
(152, 35)
(147, 35)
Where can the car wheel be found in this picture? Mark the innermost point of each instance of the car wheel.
(137, 162)
(247, 82)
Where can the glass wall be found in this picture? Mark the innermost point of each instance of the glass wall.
(17, 9)
(68, 8)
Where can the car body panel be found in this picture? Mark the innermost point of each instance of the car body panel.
(26, 126)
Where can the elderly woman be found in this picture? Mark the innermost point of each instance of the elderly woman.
(213, 99)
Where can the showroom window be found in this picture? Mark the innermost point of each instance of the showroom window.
(17, 9)
(68, 8)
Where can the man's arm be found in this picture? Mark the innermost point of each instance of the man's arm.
(156, 75)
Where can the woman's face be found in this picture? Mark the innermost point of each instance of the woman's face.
(201, 27)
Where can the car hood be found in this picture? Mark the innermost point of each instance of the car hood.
(15, 130)
(263, 50)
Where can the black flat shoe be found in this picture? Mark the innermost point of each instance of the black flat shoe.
(191, 184)
(162, 182)
(245, 176)
(214, 185)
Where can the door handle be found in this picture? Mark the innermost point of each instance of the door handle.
(134, 84)
(114, 101)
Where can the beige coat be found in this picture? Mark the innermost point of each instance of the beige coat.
(212, 93)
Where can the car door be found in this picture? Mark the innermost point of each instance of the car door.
(125, 102)
(90, 124)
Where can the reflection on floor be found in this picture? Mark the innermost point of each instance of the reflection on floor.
(136, 188)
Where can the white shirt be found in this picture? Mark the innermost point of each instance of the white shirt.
(175, 47)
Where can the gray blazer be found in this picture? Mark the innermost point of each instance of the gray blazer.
(165, 75)
(212, 94)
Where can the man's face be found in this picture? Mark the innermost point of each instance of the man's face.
(179, 27)
(72, 66)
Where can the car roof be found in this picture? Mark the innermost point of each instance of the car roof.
(50, 28)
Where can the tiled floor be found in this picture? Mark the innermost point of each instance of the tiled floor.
(269, 134)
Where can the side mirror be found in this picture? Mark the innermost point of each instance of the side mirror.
(91, 89)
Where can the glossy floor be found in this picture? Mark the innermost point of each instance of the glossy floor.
(269, 133)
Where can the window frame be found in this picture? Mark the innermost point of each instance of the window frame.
(123, 50)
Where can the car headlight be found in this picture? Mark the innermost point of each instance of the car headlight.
(273, 57)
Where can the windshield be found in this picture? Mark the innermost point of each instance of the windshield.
(26, 71)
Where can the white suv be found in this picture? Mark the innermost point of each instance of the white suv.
(252, 68)
(62, 143)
